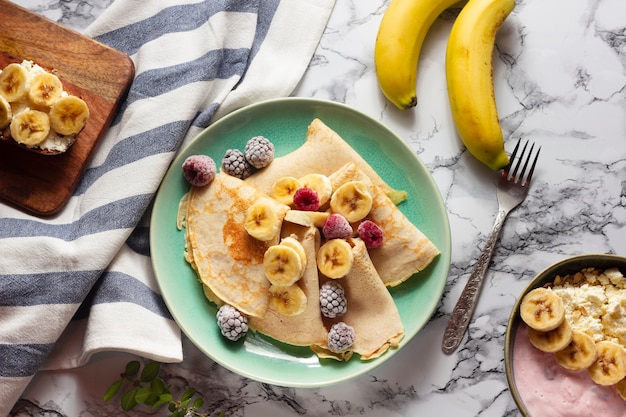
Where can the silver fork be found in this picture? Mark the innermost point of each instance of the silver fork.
(511, 191)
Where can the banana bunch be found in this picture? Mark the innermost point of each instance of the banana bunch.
(549, 331)
(469, 55)
(34, 105)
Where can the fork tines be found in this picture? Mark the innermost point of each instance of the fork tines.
(513, 175)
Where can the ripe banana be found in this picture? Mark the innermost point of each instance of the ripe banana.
(68, 115)
(282, 265)
(401, 34)
(288, 301)
(610, 367)
(30, 127)
(335, 258)
(261, 222)
(542, 310)
(45, 89)
(307, 218)
(6, 114)
(13, 80)
(284, 188)
(352, 200)
(553, 340)
(320, 183)
(579, 354)
(469, 75)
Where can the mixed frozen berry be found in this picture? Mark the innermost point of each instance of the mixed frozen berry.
(371, 234)
(340, 337)
(199, 170)
(232, 323)
(306, 199)
(333, 302)
(337, 227)
(259, 152)
(235, 164)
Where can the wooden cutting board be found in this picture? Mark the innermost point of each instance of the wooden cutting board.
(98, 74)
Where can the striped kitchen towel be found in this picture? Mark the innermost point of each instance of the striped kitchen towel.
(81, 281)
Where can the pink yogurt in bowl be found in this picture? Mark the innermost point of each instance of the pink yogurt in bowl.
(539, 385)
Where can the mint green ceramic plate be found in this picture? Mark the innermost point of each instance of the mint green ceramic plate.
(285, 122)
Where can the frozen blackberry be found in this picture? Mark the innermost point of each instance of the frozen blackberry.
(333, 300)
(340, 337)
(371, 234)
(199, 170)
(232, 323)
(337, 227)
(306, 199)
(259, 152)
(235, 164)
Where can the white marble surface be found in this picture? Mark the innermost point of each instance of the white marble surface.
(560, 80)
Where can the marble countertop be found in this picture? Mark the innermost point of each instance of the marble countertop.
(560, 81)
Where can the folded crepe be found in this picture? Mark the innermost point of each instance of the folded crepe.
(371, 311)
(307, 328)
(227, 259)
(323, 152)
(405, 249)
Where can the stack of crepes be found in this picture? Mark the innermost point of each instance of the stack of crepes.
(229, 262)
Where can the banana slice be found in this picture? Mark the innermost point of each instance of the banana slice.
(620, 387)
(352, 200)
(288, 301)
(542, 310)
(68, 115)
(335, 258)
(284, 189)
(261, 222)
(13, 79)
(321, 184)
(293, 242)
(282, 265)
(5, 113)
(610, 367)
(45, 89)
(579, 354)
(307, 218)
(30, 127)
(552, 340)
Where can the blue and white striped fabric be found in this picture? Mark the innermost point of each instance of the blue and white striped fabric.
(81, 282)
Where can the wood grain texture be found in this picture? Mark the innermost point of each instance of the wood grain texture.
(100, 75)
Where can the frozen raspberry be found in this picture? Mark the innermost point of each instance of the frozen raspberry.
(232, 323)
(306, 199)
(235, 164)
(337, 227)
(199, 170)
(340, 337)
(333, 299)
(259, 152)
(371, 234)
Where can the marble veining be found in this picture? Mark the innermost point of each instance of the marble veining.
(560, 81)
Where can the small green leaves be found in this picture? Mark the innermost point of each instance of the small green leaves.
(149, 390)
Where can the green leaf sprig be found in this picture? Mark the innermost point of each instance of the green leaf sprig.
(147, 388)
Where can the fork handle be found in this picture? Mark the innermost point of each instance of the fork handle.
(464, 308)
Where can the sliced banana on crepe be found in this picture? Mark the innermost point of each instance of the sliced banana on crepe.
(307, 218)
(335, 258)
(579, 354)
(261, 222)
(320, 183)
(287, 300)
(610, 367)
(13, 80)
(30, 127)
(541, 309)
(282, 265)
(352, 200)
(284, 188)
